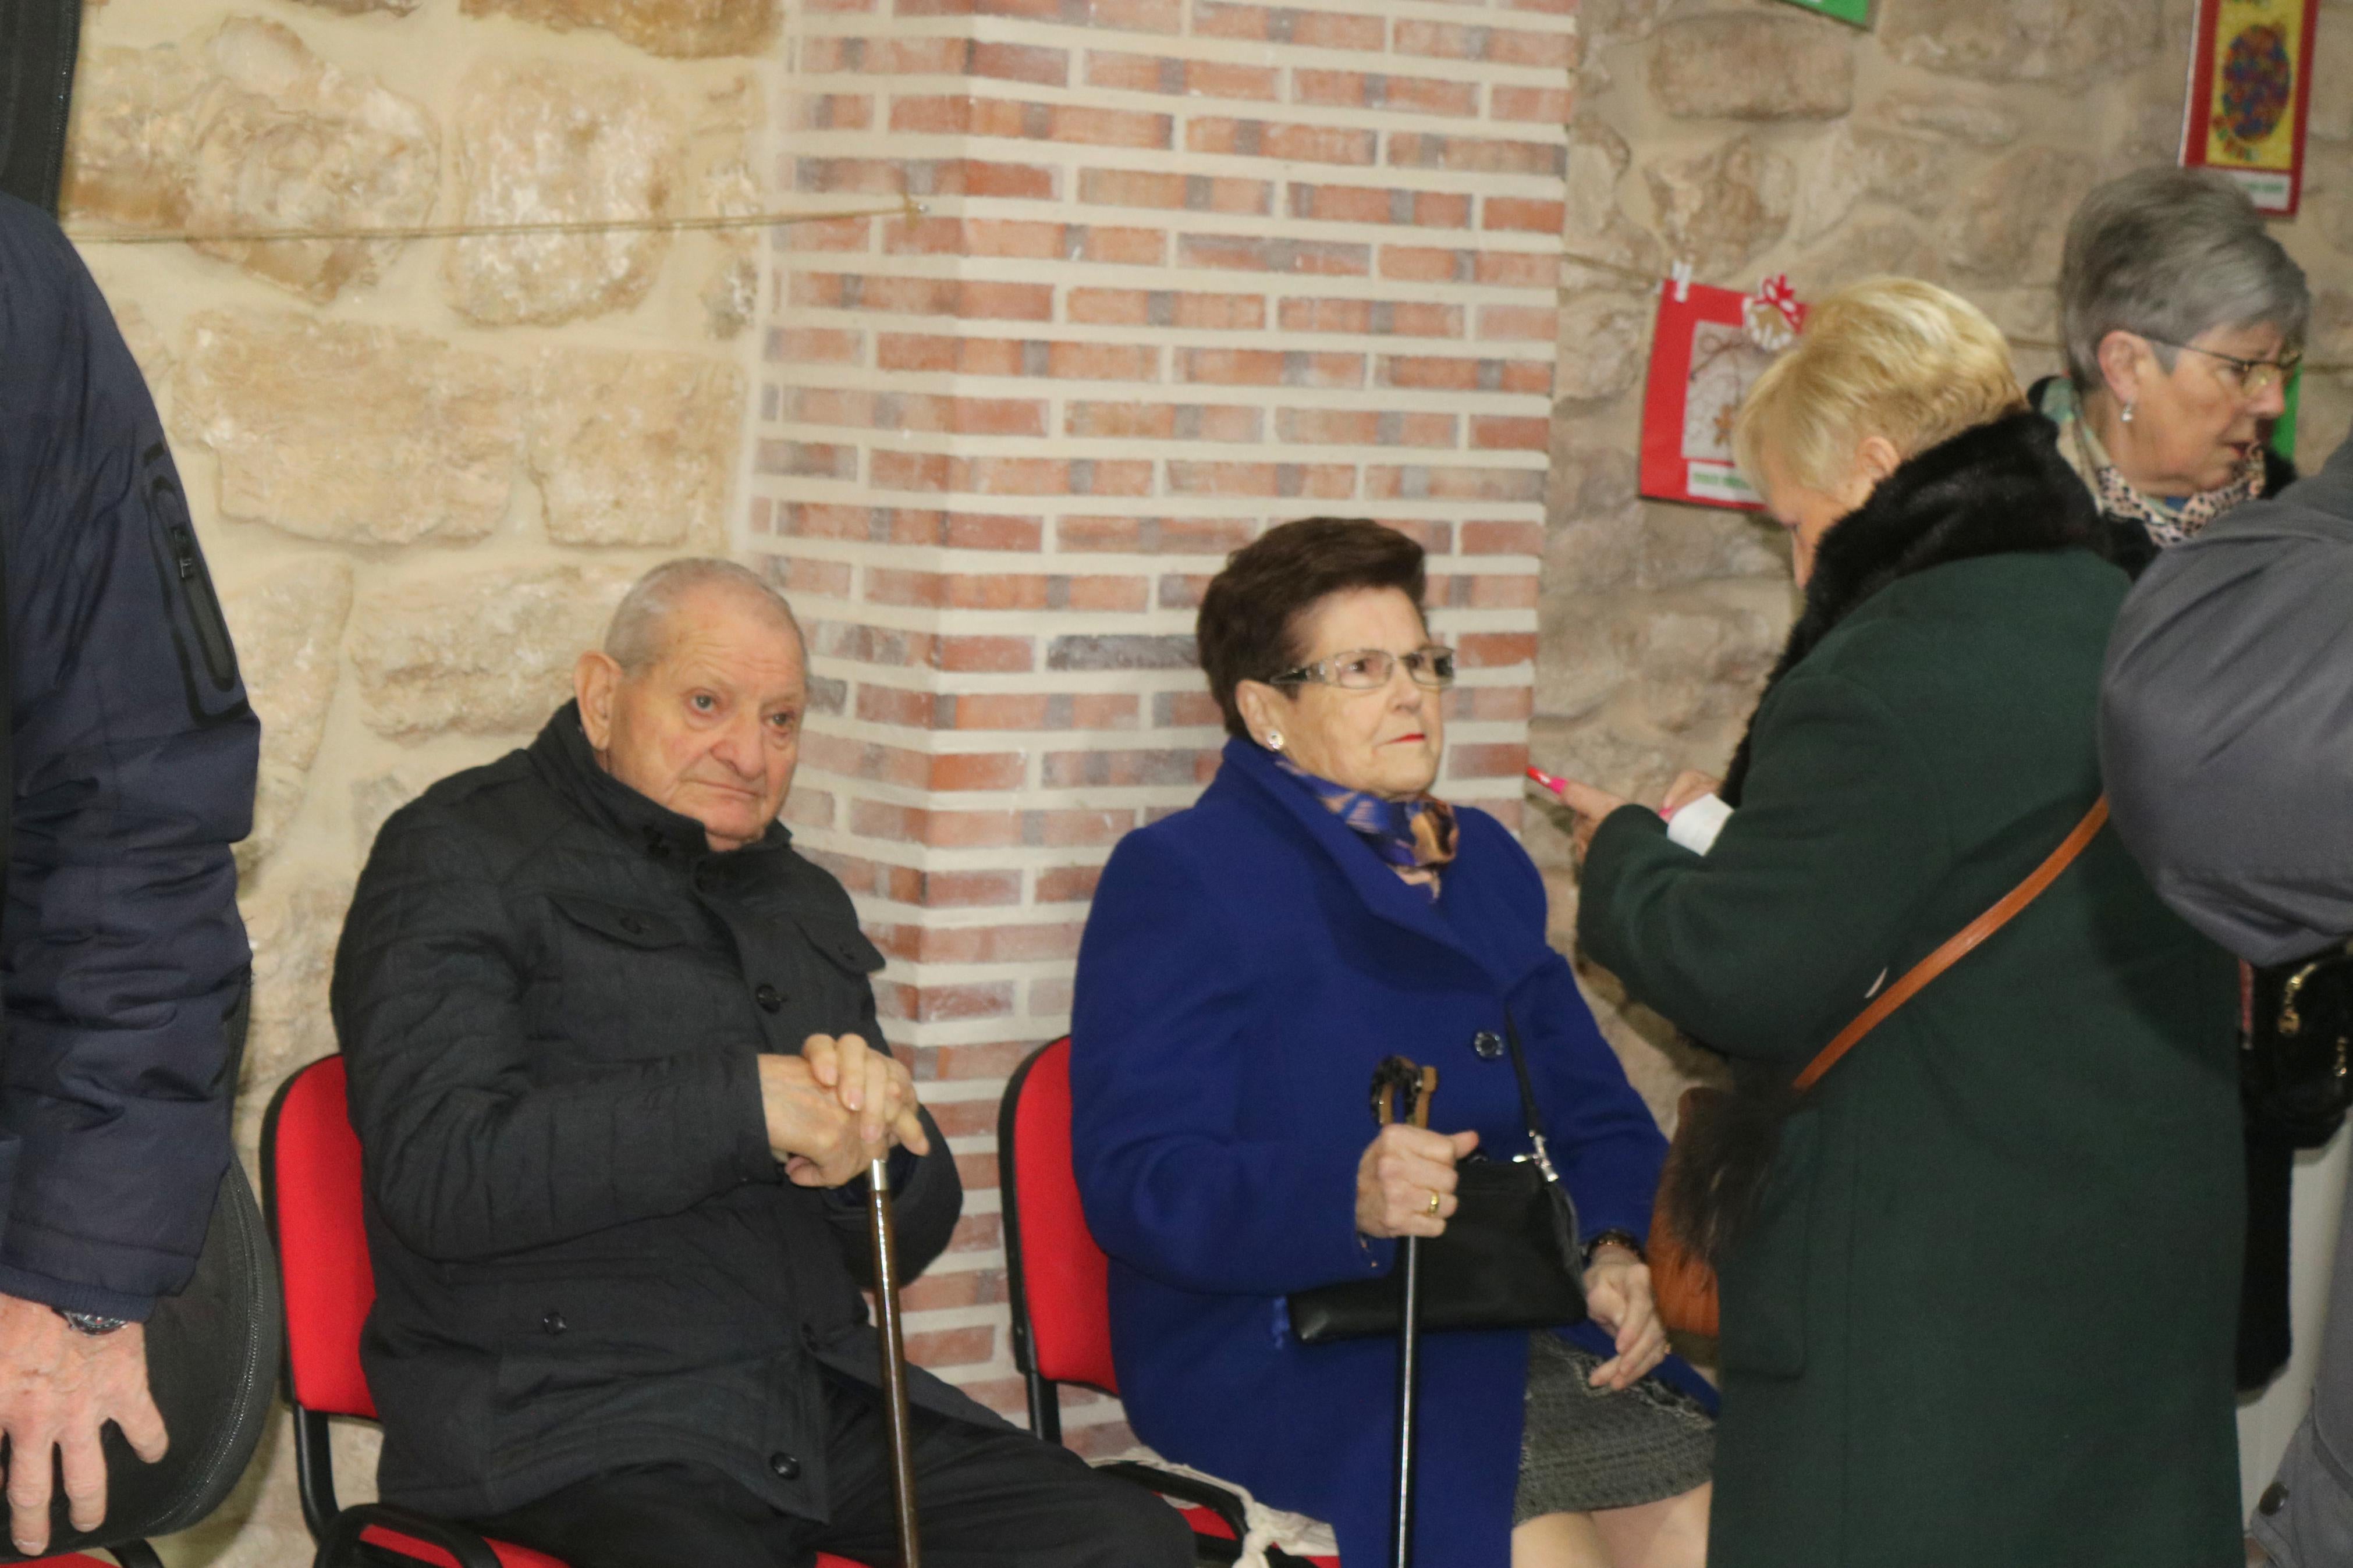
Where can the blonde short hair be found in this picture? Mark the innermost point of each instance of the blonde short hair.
(1889, 356)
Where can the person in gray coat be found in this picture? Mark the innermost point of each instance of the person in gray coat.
(2226, 738)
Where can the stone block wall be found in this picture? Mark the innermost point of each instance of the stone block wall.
(1951, 142)
(1190, 268)
(422, 469)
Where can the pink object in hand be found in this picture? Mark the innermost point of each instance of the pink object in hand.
(1557, 785)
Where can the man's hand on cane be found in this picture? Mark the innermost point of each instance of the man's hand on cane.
(835, 1108)
(58, 1389)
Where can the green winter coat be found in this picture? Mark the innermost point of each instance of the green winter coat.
(1983, 1315)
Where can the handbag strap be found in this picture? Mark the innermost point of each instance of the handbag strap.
(1528, 1098)
(1954, 950)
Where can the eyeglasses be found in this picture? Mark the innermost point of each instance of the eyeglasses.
(2254, 376)
(1369, 668)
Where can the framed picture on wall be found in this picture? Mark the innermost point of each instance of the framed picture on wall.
(2251, 94)
(1709, 347)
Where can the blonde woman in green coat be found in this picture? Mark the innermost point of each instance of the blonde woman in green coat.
(1979, 1283)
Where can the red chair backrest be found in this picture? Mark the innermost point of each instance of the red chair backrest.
(310, 1169)
(1065, 1277)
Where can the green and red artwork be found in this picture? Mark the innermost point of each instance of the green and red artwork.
(2250, 90)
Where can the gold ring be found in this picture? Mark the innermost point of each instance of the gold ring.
(1433, 1203)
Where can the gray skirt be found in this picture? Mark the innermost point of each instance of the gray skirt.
(1585, 1447)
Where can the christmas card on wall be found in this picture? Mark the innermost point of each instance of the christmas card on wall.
(2250, 94)
(1708, 349)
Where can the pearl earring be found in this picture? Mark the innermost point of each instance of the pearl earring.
(2128, 414)
(1274, 740)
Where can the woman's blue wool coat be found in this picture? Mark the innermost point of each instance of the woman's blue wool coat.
(1247, 964)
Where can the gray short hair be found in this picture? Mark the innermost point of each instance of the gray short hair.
(2171, 253)
(639, 633)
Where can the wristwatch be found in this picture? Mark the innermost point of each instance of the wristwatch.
(91, 1323)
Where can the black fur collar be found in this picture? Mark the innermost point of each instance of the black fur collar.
(1991, 490)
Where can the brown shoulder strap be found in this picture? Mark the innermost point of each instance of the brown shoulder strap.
(1952, 952)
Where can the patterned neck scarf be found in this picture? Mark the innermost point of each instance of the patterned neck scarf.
(2168, 522)
(1414, 837)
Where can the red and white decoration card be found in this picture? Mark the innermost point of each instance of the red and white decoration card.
(1709, 348)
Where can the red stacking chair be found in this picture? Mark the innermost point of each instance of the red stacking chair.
(1059, 1285)
(310, 1191)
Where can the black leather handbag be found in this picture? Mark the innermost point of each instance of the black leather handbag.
(1508, 1259)
(2292, 1070)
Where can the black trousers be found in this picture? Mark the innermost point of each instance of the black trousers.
(987, 1498)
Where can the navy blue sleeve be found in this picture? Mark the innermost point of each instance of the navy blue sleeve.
(1161, 1027)
(132, 756)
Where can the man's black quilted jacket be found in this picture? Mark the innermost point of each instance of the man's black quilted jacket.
(551, 994)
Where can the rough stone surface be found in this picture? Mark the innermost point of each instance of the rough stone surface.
(1604, 343)
(2331, 336)
(487, 653)
(2023, 40)
(250, 130)
(1965, 120)
(634, 448)
(1991, 226)
(678, 27)
(537, 143)
(2331, 114)
(1882, 248)
(293, 929)
(1720, 209)
(1753, 67)
(289, 628)
(732, 291)
(1682, 546)
(1597, 226)
(360, 434)
(1831, 178)
(1909, 171)
(145, 343)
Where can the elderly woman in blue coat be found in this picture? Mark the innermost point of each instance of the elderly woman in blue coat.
(1247, 964)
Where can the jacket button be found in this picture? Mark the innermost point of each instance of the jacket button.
(2274, 1499)
(633, 925)
(552, 1320)
(770, 999)
(786, 1467)
(1488, 1044)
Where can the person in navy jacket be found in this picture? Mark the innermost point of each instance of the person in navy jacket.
(132, 753)
(1247, 964)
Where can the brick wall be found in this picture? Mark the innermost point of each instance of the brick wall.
(1189, 268)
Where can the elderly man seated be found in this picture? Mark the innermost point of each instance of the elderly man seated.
(615, 1071)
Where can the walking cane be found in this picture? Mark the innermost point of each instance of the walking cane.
(1394, 1077)
(894, 1359)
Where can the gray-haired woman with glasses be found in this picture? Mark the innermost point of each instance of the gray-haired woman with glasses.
(2184, 320)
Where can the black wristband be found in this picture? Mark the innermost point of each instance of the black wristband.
(1600, 1239)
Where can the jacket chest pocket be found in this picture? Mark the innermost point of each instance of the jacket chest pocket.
(825, 966)
(633, 984)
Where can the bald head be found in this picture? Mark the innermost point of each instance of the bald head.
(648, 616)
(695, 700)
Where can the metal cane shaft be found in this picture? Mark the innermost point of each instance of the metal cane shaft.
(894, 1360)
(1408, 1364)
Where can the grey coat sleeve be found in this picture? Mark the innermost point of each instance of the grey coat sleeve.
(2226, 723)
